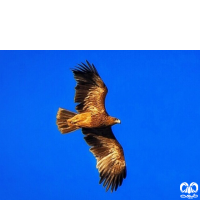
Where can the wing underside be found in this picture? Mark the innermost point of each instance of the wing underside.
(90, 89)
(109, 155)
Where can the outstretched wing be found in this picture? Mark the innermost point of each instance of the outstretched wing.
(90, 89)
(109, 154)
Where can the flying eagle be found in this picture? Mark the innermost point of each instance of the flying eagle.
(96, 125)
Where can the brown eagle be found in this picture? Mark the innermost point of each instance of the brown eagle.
(96, 125)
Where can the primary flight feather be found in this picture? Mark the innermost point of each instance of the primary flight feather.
(96, 125)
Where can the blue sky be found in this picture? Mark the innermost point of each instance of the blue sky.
(155, 94)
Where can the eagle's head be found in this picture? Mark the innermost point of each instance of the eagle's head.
(111, 121)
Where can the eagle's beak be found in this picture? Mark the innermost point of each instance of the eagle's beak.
(118, 121)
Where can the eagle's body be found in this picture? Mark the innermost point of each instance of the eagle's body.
(91, 120)
(96, 124)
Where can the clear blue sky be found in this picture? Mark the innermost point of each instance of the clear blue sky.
(155, 94)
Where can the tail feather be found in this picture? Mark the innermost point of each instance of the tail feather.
(62, 117)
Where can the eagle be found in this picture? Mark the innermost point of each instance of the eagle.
(96, 124)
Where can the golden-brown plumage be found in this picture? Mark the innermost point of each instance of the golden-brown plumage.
(96, 125)
(109, 154)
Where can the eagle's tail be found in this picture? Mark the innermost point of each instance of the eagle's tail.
(62, 117)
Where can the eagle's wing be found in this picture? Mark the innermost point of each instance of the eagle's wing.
(109, 154)
(90, 89)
